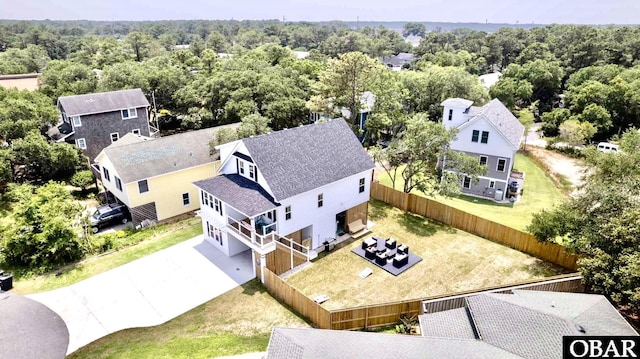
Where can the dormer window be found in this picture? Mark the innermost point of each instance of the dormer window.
(246, 168)
(129, 113)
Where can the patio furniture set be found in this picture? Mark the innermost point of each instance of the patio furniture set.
(389, 253)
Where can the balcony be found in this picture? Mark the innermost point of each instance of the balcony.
(263, 243)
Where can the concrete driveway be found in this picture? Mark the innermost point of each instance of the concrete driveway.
(148, 291)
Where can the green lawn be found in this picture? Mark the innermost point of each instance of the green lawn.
(150, 240)
(239, 321)
(539, 193)
(453, 261)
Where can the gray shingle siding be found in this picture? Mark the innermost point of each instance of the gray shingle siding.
(96, 129)
(101, 102)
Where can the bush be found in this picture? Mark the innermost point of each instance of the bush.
(82, 179)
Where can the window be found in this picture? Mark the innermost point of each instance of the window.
(483, 160)
(81, 143)
(475, 135)
(485, 137)
(129, 113)
(501, 165)
(240, 167)
(466, 183)
(210, 200)
(214, 233)
(320, 200)
(76, 121)
(218, 205)
(118, 183)
(114, 137)
(143, 186)
(361, 186)
(185, 199)
(136, 131)
(450, 115)
(105, 173)
(252, 172)
(205, 198)
(287, 213)
(492, 184)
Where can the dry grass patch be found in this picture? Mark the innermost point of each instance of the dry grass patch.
(236, 322)
(452, 261)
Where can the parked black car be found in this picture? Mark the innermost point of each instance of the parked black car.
(107, 215)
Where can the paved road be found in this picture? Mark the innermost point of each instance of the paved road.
(148, 291)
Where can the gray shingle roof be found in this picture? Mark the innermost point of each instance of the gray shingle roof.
(453, 323)
(102, 102)
(504, 120)
(144, 159)
(457, 103)
(303, 343)
(298, 160)
(520, 330)
(530, 324)
(243, 194)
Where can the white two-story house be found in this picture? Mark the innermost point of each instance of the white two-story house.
(490, 133)
(300, 187)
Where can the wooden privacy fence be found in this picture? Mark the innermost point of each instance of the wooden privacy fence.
(380, 315)
(296, 300)
(468, 222)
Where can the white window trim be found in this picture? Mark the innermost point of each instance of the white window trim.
(136, 131)
(73, 121)
(486, 162)
(111, 136)
(188, 199)
(320, 200)
(83, 141)
(362, 184)
(106, 174)
(118, 183)
(287, 210)
(129, 110)
(464, 180)
(478, 138)
(482, 135)
(492, 184)
(498, 165)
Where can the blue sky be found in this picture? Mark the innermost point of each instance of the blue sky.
(496, 11)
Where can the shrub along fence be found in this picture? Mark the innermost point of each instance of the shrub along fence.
(482, 227)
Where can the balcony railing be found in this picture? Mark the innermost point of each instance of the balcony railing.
(244, 230)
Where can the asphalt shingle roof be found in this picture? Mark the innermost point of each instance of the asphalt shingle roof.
(453, 323)
(457, 103)
(137, 159)
(304, 343)
(300, 159)
(102, 102)
(242, 193)
(503, 120)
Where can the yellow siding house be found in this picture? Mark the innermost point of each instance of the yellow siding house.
(153, 176)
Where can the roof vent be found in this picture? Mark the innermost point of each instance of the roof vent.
(190, 154)
(553, 304)
(175, 164)
(580, 328)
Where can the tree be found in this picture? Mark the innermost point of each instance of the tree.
(253, 125)
(414, 28)
(512, 92)
(526, 118)
(601, 223)
(423, 146)
(140, 44)
(222, 136)
(82, 179)
(40, 236)
(575, 132)
(24, 111)
(64, 78)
